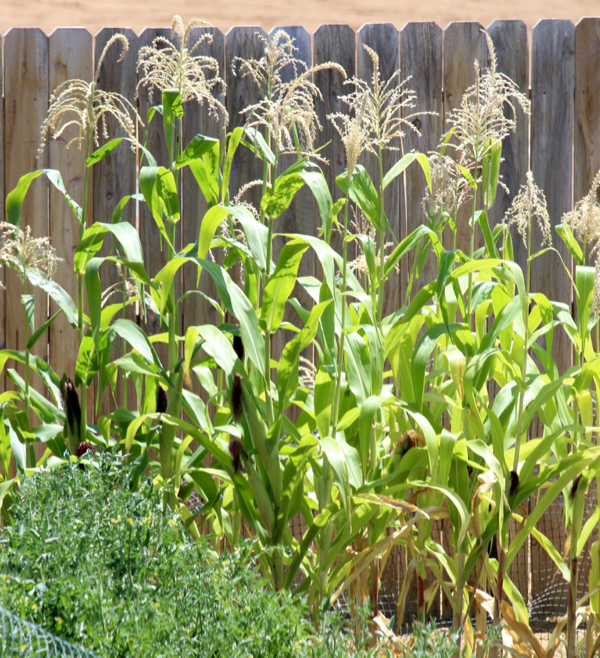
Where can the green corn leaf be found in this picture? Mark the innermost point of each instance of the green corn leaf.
(15, 199)
(195, 150)
(103, 151)
(232, 145)
(259, 146)
(403, 163)
(29, 306)
(277, 199)
(35, 337)
(172, 111)
(281, 284)
(318, 186)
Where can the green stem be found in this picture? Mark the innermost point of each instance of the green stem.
(471, 252)
(338, 383)
(380, 292)
(525, 350)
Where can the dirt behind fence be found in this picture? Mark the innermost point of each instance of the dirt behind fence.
(137, 14)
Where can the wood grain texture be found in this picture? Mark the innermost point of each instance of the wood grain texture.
(198, 120)
(383, 38)
(301, 216)
(26, 104)
(333, 43)
(422, 62)
(552, 119)
(243, 43)
(512, 51)
(464, 42)
(155, 256)
(115, 175)
(587, 106)
(2, 216)
(70, 57)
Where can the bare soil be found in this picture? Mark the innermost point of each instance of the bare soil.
(138, 14)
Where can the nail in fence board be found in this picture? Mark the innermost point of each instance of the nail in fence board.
(155, 250)
(302, 215)
(383, 38)
(115, 177)
(464, 42)
(2, 211)
(197, 120)
(333, 43)
(70, 57)
(421, 61)
(512, 53)
(587, 106)
(552, 117)
(26, 104)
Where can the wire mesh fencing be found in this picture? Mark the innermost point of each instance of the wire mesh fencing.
(24, 639)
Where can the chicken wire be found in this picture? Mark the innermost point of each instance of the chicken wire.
(26, 640)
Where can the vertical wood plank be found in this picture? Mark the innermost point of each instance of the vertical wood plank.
(464, 42)
(383, 38)
(333, 43)
(552, 119)
(155, 257)
(587, 106)
(70, 57)
(245, 43)
(422, 62)
(302, 215)
(115, 175)
(26, 104)
(512, 52)
(197, 120)
(2, 216)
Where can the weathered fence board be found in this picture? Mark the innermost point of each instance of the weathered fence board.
(115, 175)
(301, 216)
(155, 249)
(586, 156)
(383, 38)
(243, 43)
(333, 43)
(512, 52)
(26, 104)
(552, 117)
(71, 56)
(422, 62)
(196, 310)
(463, 44)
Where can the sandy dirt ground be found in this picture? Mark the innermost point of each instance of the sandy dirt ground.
(137, 14)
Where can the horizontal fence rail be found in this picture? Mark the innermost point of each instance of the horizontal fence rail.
(555, 63)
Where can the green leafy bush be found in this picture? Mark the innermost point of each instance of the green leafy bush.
(100, 565)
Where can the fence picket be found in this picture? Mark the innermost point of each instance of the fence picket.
(156, 257)
(301, 216)
(587, 106)
(71, 56)
(197, 120)
(512, 52)
(422, 61)
(552, 117)
(384, 39)
(115, 175)
(333, 43)
(463, 44)
(243, 43)
(26, 104)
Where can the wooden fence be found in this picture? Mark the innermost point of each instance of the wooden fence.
(560, 142)
(556, 63)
